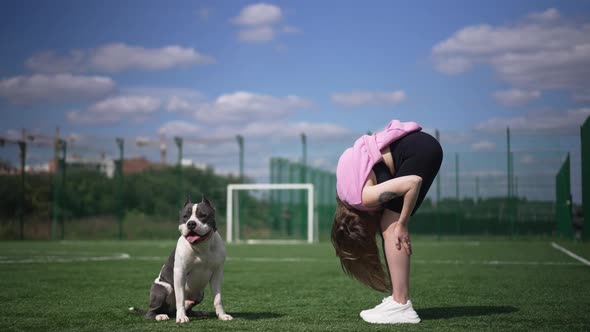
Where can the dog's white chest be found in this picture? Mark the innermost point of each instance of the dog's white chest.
(199, 265)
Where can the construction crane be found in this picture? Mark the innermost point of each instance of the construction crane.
(215, 140)
(141, 142)
(22, 145)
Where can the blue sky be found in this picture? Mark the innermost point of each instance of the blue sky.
(271, 70)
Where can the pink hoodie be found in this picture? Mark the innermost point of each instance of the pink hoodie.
(356, 162)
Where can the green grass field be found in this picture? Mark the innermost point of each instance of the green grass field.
(456, 285)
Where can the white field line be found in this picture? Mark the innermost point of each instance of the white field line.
(493, 262)
(416, 261)
(113, 243)
(569, 253)
(124, 256)
(56, 259)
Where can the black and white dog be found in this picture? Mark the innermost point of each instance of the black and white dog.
(196, 261)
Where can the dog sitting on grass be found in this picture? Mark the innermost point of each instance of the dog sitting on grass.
(196, 261)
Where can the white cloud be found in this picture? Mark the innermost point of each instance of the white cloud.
(259, 14)
(285, 130)
(455, 137)
(527, 159)
(455, 65)
(583, 95)
(246, 106)
(547, 69)
(485, 173)
(178, 100)
(179, 128)
(177, 104)
(322, 163)
(483, 146)
(368, 98)
(204, 13)
(84, 118)
(550, 14)
(114, 109)
(259, 23)
(39, 88)
(126, 105)
(257, 34)
(163, 92)
(217, 145)
(117, 57)
(547, 121)
(515, 97)
(541, 52)
(291, 29)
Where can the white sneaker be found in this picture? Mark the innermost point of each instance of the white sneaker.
(391, 312)
(384, 303)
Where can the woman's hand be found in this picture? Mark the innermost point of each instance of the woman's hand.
(401, 237)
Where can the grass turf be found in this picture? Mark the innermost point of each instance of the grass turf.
(456, 285)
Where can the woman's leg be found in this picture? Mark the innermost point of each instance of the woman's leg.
(398, 261)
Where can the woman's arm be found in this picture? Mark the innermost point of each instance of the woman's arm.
(406, 186)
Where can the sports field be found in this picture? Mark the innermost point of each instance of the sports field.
(467, 285)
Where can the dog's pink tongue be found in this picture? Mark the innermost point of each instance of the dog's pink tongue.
(192, 237)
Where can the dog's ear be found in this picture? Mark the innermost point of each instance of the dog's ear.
(188, 199)
(206, 201)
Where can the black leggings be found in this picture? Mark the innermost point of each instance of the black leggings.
(414, 154)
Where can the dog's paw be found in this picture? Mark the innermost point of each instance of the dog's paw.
(162, 317)
(182, 319)
(225, 317)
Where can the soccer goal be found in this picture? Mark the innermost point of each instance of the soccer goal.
(270, 213)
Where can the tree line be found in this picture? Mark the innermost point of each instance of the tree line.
(85, 193)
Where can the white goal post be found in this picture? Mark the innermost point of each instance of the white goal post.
(231, 188)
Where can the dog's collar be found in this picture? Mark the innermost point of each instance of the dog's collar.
(209, 234)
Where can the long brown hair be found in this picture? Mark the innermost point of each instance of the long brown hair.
(353, 237)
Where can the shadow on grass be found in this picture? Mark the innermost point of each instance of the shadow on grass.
(200, 315)
(255, 315)
(450, 312)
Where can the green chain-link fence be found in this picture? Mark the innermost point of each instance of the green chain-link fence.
(563, 200)
(585, 148)
(482, 187)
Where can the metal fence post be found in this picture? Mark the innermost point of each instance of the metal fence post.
(120, 207)
(585, 154)
(178, 141)
(55, 211)
(240, 140)
(63, 186)
(303, 170)
(508, 164)
(58, 186)
(22, 145)
(438, 216)
(458, 197)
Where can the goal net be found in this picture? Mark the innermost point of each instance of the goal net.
(265, 212)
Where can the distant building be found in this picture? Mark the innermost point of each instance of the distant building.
(137, 165)
(190, 163)
(37, 168)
